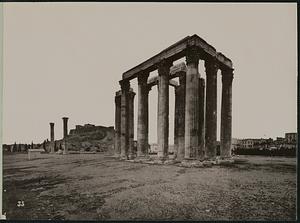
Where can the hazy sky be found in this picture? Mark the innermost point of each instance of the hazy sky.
(65, 59)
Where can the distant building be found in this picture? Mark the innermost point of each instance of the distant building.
(254, 143)
(291, 138)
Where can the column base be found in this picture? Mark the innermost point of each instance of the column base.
(123, 157)
(143, 157)
(189, 163)
(131, 157)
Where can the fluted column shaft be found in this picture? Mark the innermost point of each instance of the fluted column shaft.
(142, 125)
(65, 126)
(179, 123)
(52, 137)
(125, 85)
(163, 110)
(117, 145)
(131, 95)
(211, 110)
(201, 152)
(65, 129)
(226, 113)
(192, 105)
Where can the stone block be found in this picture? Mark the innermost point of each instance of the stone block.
(225, 161)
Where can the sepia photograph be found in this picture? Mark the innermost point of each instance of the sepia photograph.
(148, 111)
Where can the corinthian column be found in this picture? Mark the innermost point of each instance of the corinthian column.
(179, 118)
(117, 151)
(163, 109)
(125, 85)
(52, 137)
(130, 117)
(65, 128)
(211, 109)
(191, 104)
(142, 125)
(201, 152)
(226, 113)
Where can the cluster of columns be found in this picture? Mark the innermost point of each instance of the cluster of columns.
(65, 134)
(195, 126)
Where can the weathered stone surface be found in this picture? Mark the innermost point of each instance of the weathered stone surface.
(169, 162)
(201, 151)
(226, 113)
(211, 110)
(65, 126)
(191, 105)
(163, 110)
(175, 52)
(209, 163)
(131, 96)
(142, 125)
(224, 161)
(179, 119)
(125, 86)
(117, 144)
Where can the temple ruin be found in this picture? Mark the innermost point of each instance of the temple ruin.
(195, 124)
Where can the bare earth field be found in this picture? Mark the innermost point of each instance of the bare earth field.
(96, 187)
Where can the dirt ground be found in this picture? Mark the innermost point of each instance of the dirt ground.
(97, 187)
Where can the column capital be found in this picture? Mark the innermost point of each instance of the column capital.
(182, 79)
(131, 93)
(211, 66)
(142, 78)
(164, 67)
(65, 118)
(125, 85)
(51, 124)
(227, 76)
(118, 97)
(148, 88)
(118, 93)
(192, 55)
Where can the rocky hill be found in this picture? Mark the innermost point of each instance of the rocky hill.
(89, 138)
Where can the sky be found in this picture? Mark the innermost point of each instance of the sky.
(65, 59)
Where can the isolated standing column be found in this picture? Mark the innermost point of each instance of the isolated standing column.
(142, 125)
(211, 109)
(163, 109)
(65, 126)
(226, 113)
(192, 105)
(52, 137)
(65, 130)
(117, 145)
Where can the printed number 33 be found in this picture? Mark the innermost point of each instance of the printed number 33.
(20, 204)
